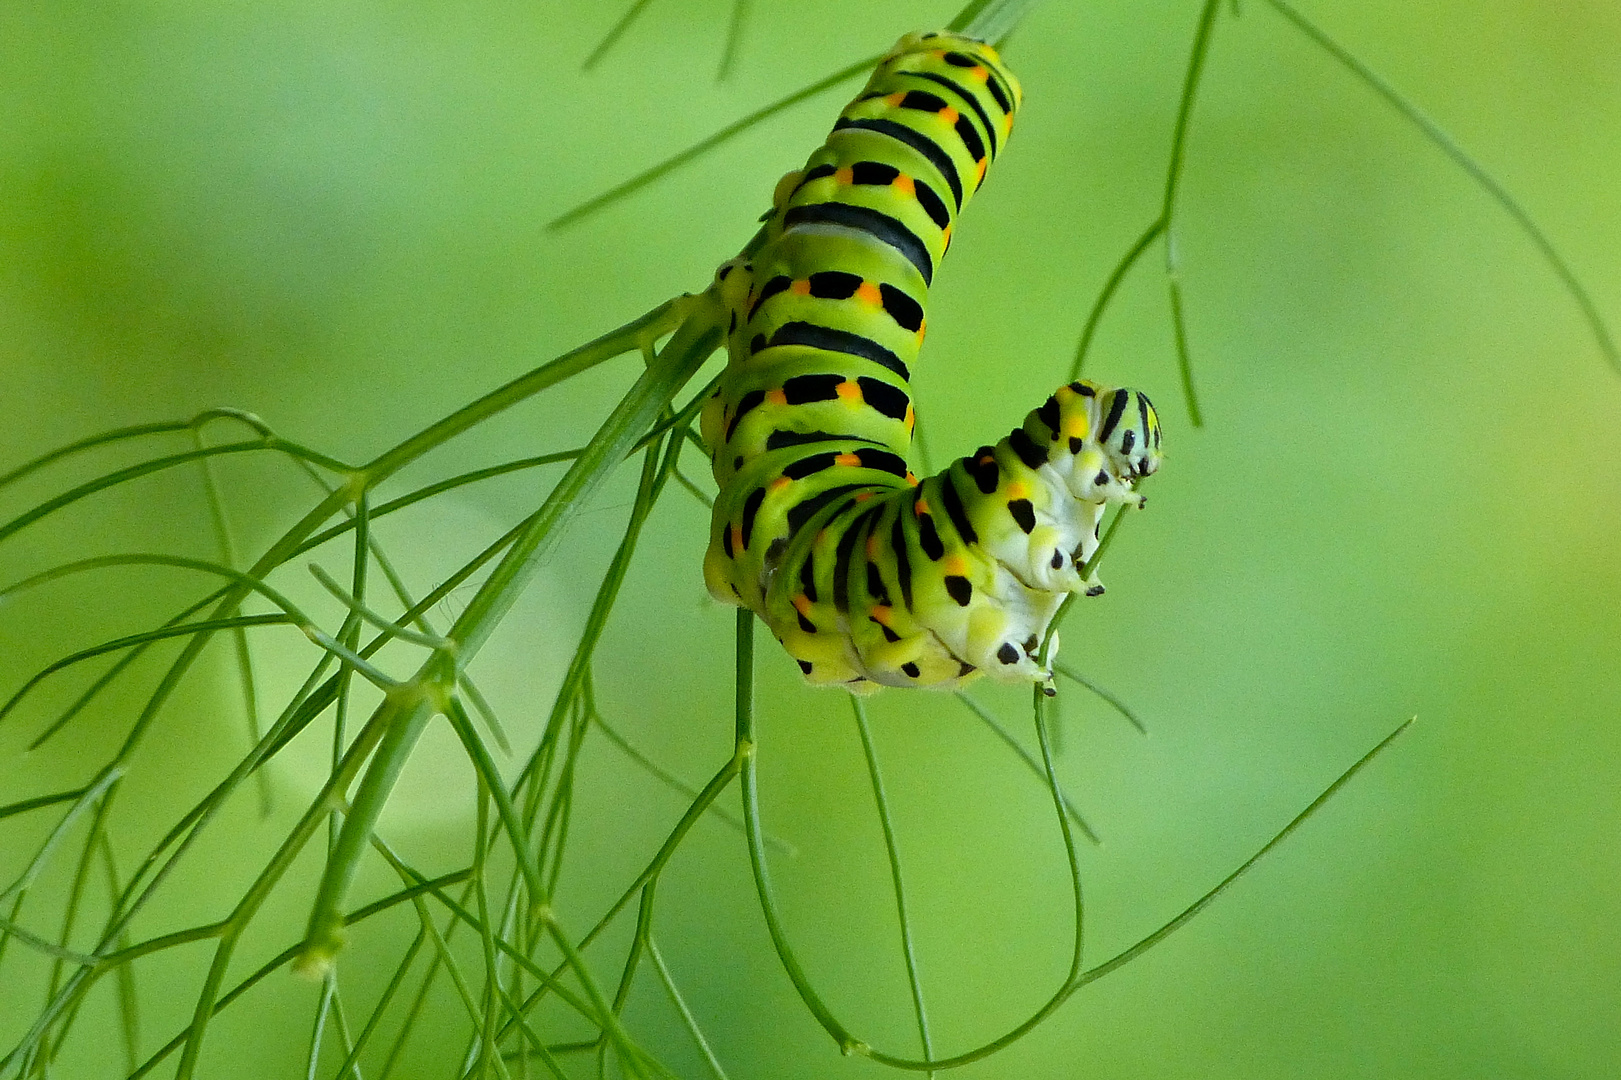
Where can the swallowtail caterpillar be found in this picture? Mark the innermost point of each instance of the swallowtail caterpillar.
(866, 574)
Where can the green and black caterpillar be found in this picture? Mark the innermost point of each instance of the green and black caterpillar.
(867, 575)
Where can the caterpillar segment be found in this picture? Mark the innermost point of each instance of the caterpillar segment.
(867, 575)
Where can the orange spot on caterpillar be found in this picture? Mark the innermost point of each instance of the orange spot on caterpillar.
(905, 185)
(868, 294)
(1007, 125)
(737, 538)
(948, 114)
(800, 287)
(849, 461)
(921, 507)
(980, 177)
(880, 614)
(911, 479)
(863, 496)
(849, 391)
(956, 565)
(844, 177)
(945, 235)
(776, 396)
(802, 604)
(1018, 489)
(980, 74)
(779, 483)
(894, 100)
(872, 546)
(911, 417)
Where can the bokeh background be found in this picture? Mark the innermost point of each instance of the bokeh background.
(1406, 500)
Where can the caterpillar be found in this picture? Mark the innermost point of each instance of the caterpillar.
(865, 574)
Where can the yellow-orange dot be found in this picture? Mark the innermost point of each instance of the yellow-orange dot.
(948, 114)
(800, 287)
(945, 234)
(1018, 489)
(849, 391)
(911, 479)
(863, 496)
(921, 507)
(922, 328)
(776, 396)
(980, 74)
(849, 461)
(868, 294)
(1007, 125)
(802, 604)
(779, 483)
(905, 185)
(896, 98)
(1075, 426)
(872, 546)
(956, 564)
(880, 614)
(844, 176)
(979, 177)
(737, 538)
(911, 416)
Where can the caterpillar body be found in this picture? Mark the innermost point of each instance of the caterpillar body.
(867, 575)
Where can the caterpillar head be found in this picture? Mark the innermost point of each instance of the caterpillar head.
(1129, 433)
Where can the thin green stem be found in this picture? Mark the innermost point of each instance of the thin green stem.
(129, 1014)
(1449, 146)
(439, 487)
(687, 1017)
(239, 638)
(627, 338)
(675, 783)
(892, 849)
(1173, 181)
(1127, 955)
(703, 146)
(88, 796)
(1119, 706)
(136, 472)
(990, 20)
(717, 783)
(1000, 729)
(734, 37)
(1110, 286)
(488, 1051)
(614, 34)
(748, 750)
(39, 802)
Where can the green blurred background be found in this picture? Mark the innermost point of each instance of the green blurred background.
(1405, 501)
